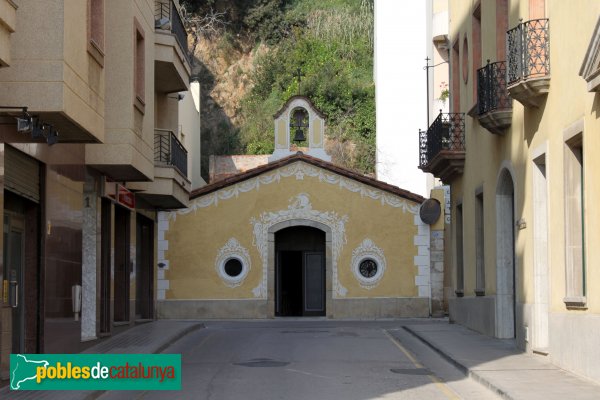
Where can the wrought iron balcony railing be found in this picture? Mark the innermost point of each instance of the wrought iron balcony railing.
(447, 132)
(166, 16)
(528, 50)
(491, 88)
(168, 150)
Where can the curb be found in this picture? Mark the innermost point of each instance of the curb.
(181, 334)
(461, 367)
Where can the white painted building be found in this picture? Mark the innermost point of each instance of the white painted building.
(400, 51)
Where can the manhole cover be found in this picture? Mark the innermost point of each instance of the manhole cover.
(262, 363)
(410, 371)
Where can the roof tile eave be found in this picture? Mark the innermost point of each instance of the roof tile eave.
(313, 161)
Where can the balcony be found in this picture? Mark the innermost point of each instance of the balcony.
(171, 187)
(494, 106)
(528, 72)
(442, 146)
(168, 151)
(172, 57)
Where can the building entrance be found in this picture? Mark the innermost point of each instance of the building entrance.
(14, 262)
(144, 287)
(122, 264)
(21, 273)
(300, 272)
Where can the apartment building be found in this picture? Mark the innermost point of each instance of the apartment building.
(516, 149)
(90, 149)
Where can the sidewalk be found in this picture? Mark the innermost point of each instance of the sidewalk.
(498, 365)
(152, 337)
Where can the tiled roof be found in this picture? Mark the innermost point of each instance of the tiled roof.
(309, 160)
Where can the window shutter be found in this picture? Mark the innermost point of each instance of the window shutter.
(22, 174)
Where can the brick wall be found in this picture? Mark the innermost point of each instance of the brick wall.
(222, 167)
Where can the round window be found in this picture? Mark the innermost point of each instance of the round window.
(233, 267)
(233, 263)
(368, 268)
(368, 264)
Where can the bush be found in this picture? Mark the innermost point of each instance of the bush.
(331, 41)
(337, 79)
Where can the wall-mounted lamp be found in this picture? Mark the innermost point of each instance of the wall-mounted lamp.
(24, 123)
(52, 136)
(37, 128)
(34, 125)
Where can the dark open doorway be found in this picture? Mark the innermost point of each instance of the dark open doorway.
(300, 272)
(122, 264)
(144, 265)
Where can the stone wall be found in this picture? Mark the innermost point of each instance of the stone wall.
(222, 167)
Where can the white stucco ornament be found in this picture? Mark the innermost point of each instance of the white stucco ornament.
(233, 250)
(299, 208)
(366, 251)
(298, 170)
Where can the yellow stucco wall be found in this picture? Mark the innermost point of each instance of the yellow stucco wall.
(317, 133)
(281, 133)
(196, 235)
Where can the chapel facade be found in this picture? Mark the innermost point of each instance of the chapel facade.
(295, 236)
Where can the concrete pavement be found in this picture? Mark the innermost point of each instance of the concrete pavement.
(498, 365)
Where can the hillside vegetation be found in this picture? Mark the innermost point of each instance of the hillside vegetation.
(247, 64)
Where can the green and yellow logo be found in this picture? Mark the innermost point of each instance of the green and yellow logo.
(95, 371)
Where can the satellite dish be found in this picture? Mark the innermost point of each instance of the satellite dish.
(430, 211)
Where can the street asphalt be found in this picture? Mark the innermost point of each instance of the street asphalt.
(320, 359)
(312, 359)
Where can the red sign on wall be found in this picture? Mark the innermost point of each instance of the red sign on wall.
(125, 196)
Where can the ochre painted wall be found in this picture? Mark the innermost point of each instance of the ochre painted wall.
(196, 235)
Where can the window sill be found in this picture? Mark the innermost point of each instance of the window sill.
(96, 52)
(576, 303)
(140, 104)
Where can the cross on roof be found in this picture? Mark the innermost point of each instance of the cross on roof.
(298, 75)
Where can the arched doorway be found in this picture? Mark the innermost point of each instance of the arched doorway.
(505, 257)
(300, 277)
